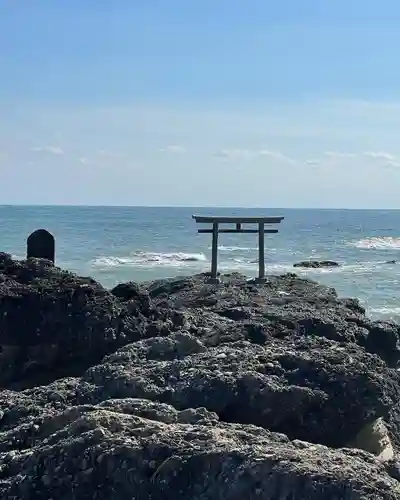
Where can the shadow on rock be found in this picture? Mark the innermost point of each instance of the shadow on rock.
(54, 323)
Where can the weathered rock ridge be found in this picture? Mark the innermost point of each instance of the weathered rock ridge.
(178, 389)
(316, 263)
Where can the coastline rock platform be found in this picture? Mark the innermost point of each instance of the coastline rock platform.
(178, 389)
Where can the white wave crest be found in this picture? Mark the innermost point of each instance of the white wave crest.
(150, 259)
(379, 243)
(384, 313)
(251, 265)
(224, 248)
(387, 311)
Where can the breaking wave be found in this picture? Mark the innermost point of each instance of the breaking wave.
(239, 264)
(246, 263)
(384, 313)
(387, 311)
(148, 259)
(224, 248)
(378, 243)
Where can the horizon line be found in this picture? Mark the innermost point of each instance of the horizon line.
(240, 207)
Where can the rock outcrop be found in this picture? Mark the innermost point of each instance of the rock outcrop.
(316, 263)
(178, 389)
(135, 448)
(54, 323)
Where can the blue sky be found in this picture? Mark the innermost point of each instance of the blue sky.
(212, 102)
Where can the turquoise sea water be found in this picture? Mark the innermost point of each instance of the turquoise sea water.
(116, 244)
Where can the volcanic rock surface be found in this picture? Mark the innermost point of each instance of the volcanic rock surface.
(178, 389)
(316, 263)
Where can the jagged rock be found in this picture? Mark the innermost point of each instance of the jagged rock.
(236, 390)
(137, 300)
(122, 448)
(393, 469)
(70, 322)
(383, 339)
(127, 291)
(291, 387)
(313, 390)
(5, 259)
(54, 323)
(283, 307)
(316, 263)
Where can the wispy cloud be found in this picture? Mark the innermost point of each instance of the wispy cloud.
(232, 154)
(276, 155)
(248, 154)
(383, 158)
(380, 155)
(394, 164)
(313, 162)
(339, 154)
(48, 149)
(174, 148)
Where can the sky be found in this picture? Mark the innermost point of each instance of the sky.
(263, 103)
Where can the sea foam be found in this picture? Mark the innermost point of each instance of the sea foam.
(149, 259)
(379, 243)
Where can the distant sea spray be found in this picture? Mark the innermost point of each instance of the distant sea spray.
(378, 243)
(146, 259)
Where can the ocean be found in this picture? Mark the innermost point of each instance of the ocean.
(115, 244)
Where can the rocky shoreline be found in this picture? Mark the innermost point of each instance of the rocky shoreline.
(178, 389)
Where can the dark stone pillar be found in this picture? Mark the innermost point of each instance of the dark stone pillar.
(41, 245)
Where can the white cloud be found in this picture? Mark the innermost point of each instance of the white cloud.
(275, 155)
(326, 147)
(339, 154)
(313, 162)
(48, 149)
(233, 154)
(394, 164)
(381, 158)
(174, 148)
(249, 154)
(380, 155)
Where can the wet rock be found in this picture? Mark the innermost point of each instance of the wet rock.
(316, 263)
